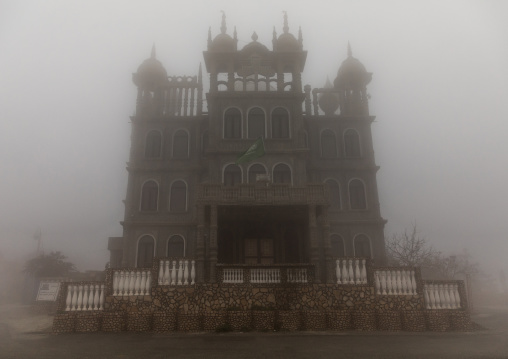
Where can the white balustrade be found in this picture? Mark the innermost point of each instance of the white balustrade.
(84, 297)
(131, 282)
(351, 271)
(441, 296)
(232, 275)
(265, 275)
(297, 275)
(395, 282)
(177, 272)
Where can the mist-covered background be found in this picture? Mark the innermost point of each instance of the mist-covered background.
(439, 91)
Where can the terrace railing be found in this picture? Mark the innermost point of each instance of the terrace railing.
(395, 281)
(177, 271)
(265, 274)
(351, 271)
(130, 282)
(442, 295)
(84, 296)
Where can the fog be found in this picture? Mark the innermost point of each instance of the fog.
(439, 89)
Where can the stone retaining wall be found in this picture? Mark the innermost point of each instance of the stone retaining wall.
(212, 307)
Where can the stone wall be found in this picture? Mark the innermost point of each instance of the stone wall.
(209, 307)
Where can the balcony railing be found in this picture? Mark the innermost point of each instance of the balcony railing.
(442, 295)
(84, 296)
(130, 282)
(351, 271)
(395, 281)
(177, 271)
(272, 194)
(265, 274)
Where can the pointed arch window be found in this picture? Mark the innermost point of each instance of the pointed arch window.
(176, 247)
(280, 123)
(334, 192)
(153, 144)
(254, 171)
(146, 247)
(181, 144)
(328, 144)
(256, 123)
(337, 244)
(232, 175)
(281, 173)
(352, 143)
(362, 246)
(178, 197)
(149, 196)
(357, 198)
(232, 123)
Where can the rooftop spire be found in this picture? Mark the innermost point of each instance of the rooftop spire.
(300, 37)
(349, 52)
(223, 27)
(152, 55)
(234, 35)
(209, 36)
(286, 27)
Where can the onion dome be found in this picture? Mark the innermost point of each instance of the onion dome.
(151, 74)
(222, 42)
(328, 101)
(352, 74)
(287, 42)
(254, 46)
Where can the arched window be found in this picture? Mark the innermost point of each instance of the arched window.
(232, 175)
(255, 170)
(153, 144)
(256, 123)
(281, 173)
(337, 243)
(181, 144)
(233, 123)
(178, 197)
(334, 192)
(176, 246)
(351, 143)
(357, 195)
(146, 246)
(328, 144)
(280, 123)
(149, 196)
(362, 246)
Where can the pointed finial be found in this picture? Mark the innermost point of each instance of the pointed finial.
(152, 55)
(254, 36)
(200, 74)
(223, 27)
(234, 35)
(286, 27)
(274, 34)
(209, 37)
(300, 37)
(349, 52)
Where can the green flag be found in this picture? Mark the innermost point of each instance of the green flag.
(255, 151)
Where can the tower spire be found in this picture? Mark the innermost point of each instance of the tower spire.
(223, 27)
(349, 52)
(209, 37)
(152, 55)
(286, 27)
(300, 37)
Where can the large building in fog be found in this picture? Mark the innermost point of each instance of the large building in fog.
(312, 197)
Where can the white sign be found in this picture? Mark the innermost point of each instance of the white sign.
(48, 290)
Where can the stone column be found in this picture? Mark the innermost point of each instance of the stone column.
(213, 243)
(330, 266)
(314, 243)
(200, 245)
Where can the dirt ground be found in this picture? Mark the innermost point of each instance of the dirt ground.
(27, 335)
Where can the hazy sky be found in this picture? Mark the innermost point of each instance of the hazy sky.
(439, 92)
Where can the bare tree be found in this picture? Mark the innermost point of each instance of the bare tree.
(410, 249)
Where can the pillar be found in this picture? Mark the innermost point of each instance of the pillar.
(213, 243)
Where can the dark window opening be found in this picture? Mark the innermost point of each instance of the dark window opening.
(281, 174)
(176, 247)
